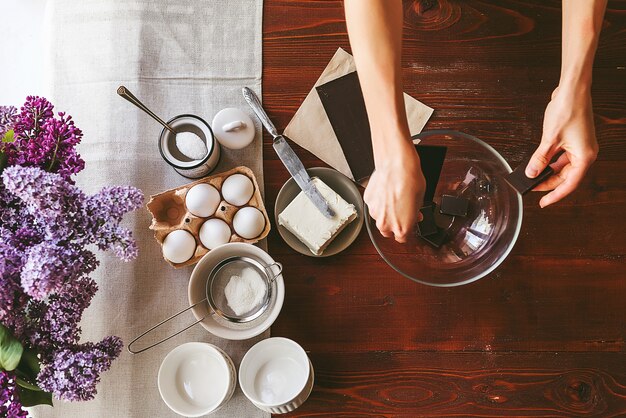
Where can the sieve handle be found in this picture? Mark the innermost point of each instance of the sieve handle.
(163, 322)
(273, 274)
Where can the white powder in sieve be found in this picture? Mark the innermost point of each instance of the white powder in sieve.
(191, 145)
(245, 292)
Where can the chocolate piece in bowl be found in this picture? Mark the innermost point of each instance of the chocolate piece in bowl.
(454, 205)
(431, 161)
(427, 225)
(437, 239)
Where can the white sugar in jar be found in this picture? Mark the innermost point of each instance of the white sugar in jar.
(189, 127)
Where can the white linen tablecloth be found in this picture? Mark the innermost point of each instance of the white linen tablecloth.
(178, 56)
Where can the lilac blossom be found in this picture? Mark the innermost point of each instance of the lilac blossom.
(57, 324)
(74, 372)
(48, 267)
(46, 227)
(12, 297)
(7, 119)
(10, 405)
(65, 136)
(66, 213)
(45, 141)
(11, 214)
(35, 111)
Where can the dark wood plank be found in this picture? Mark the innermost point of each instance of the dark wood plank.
(544, 335)
(410, 384)
(529, 303)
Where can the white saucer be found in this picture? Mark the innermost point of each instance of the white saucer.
(197, 291)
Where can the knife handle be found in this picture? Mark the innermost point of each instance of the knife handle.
(255, 104)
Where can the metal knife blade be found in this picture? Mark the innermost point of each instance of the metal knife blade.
(299, 174)
(288, 156)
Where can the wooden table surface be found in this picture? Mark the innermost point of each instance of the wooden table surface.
(544, 335)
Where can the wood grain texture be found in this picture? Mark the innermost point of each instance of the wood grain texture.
(544, 335)
(402, 384)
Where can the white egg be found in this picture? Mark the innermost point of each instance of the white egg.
(202, 200)
(214, 233)
(179, 246)
(249, 222)
(237, 189)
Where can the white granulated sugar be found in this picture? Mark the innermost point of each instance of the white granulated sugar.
(244, 293)
(191, 145)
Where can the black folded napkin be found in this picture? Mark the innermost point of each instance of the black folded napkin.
(343, 102)
(344, 105)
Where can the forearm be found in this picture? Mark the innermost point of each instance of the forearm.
(375, 31)
(582, 22)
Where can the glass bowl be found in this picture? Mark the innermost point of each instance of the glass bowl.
(476, 243)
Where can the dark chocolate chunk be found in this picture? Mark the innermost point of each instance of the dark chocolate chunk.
(427, 226)
(453, 205)
(344, 105)
(518, 180)
(431, 159)
(437, 239)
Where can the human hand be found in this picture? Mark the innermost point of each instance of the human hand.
(395, 192)
(568, 127)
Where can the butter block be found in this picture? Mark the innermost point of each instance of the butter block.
(307, 223)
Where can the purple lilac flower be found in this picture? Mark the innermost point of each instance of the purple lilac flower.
(10, 209)
(106, 210)
(65, 136)
(33, 115)
(52, 202)
(45, 141)
(48, 267)
(10, 405)
(12, 297)
(74, 372)
(57, 324)
(46, 223)
(114, 202)
(43, 193)
(66, 213)
(7, 119)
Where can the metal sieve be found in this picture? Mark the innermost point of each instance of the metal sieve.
(217, 291)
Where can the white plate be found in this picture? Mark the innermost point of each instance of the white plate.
(197, 291)
(196, 379)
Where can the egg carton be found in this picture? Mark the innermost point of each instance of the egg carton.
(169, 213)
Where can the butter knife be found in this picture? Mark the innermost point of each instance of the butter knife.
(288, 157)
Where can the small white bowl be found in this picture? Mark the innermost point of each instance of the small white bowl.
(276, 375)
(196, 379)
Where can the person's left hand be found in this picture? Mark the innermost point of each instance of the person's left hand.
(568, 127)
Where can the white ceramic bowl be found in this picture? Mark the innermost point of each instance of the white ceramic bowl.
(196, 379)
(197, 291)
(276, 375)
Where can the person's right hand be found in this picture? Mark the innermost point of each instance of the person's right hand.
(568, 127)
(395, 191)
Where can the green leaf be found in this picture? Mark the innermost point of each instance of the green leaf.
(9, 136)
(34, 397)
(27, 385)
(29, 364)
(10, 350)
(3, 161)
